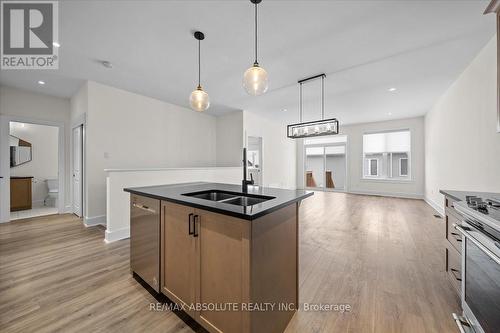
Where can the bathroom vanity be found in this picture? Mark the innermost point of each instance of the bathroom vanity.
(229, 258)
(20, 193)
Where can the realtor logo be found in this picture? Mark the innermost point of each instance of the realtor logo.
(28, 30)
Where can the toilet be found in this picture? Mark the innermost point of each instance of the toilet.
(51, 199)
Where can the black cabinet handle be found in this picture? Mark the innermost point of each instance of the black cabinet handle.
(189, 224)
(453, 271)
(196, 217)
(457, 236)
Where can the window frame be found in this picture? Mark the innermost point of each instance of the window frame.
(407, 167)
(409, 177)
(370, 167)
(344, 144)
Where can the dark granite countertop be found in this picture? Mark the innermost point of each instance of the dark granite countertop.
(460, 195)
(174, 193)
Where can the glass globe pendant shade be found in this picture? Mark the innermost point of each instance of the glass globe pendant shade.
(255, 80)
(199, 100)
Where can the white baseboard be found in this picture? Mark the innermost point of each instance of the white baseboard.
(113, 236)
(94, 220)
(437, 208)
(389, 194)
(68, 209)
(37, 203)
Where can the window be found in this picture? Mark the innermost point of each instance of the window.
(386, 155)
(373, 166)
(403, 167)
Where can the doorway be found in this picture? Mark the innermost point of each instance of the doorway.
(254, 156)
(325, 163)
(32, 168)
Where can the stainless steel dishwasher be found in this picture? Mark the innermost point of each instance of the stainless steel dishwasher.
(145, 239)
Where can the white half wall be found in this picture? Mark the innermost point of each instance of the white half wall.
(117, 217)
(413, 188)
(462, 145)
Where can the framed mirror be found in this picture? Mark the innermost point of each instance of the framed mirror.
(20, 151)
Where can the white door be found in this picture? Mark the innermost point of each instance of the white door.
(77, 170)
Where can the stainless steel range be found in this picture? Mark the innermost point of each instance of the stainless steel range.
(480, 264)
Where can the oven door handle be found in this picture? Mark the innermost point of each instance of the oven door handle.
(483, 248)
(143, 207)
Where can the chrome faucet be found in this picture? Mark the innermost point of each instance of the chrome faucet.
(245, 182)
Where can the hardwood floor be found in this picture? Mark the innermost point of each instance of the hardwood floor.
(382, 256)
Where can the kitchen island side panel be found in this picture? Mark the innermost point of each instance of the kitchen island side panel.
(274, 273)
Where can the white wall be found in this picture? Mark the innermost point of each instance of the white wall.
(118, 201)
(355, 182)
(127, 130)
(462, 144)
(38, 107)
(229, 139)
(79, 103)
(44, 163)
(279, 152)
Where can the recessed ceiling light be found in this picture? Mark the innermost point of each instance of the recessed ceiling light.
(56, 44)
(392, 89)
(41, 82)
(107, 64)
(284, 110)
(389, 113)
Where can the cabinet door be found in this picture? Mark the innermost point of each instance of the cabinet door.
(20, 194)
(224, 270)
(179, 255)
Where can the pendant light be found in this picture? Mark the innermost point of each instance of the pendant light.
(317, 127)
(199, 99)
(255, 78)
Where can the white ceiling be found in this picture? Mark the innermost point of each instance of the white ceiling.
(364, 47)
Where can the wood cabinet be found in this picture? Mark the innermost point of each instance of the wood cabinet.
(219, 266)
(20, 193)
(178, 255)
(224, 270)
(453, 245)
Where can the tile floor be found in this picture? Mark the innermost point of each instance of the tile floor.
(36, 211)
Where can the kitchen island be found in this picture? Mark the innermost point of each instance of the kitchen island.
(229, 258)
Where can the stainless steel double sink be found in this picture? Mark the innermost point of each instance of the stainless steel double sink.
(232, 198)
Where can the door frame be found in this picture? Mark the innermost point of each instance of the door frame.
(79, 121)
(5, 162)
(261, 157)
(325, 145)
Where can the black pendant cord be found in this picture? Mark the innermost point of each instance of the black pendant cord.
(300, 103)
(199, 63)
(322, 98)
(255, 63)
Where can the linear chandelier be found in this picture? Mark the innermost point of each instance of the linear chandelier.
(313, 128)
